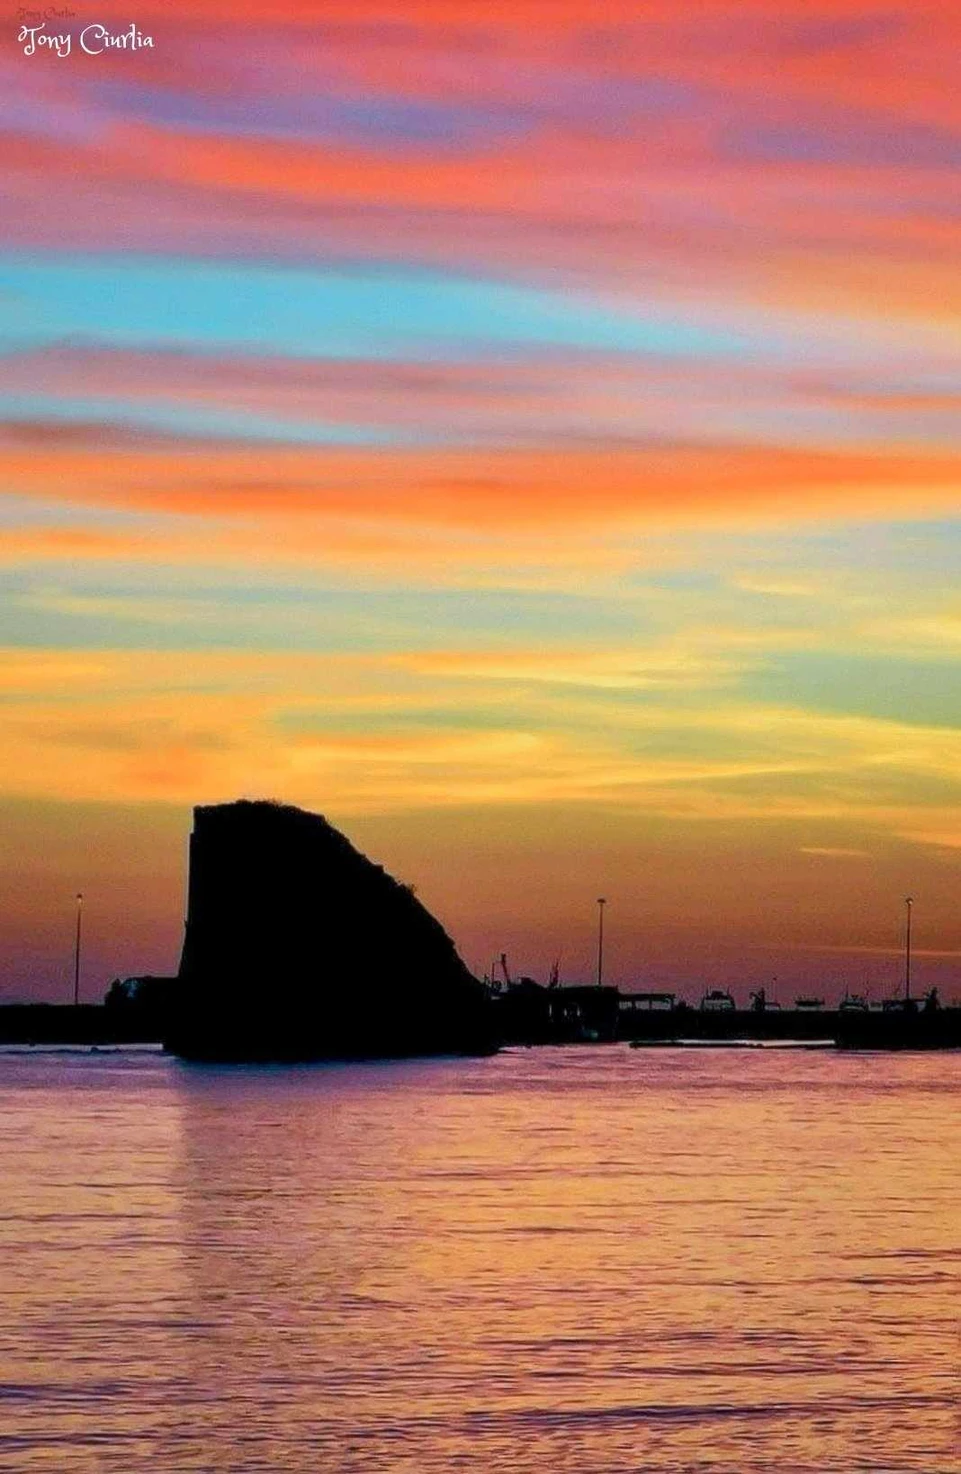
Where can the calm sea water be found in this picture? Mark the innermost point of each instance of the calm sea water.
(571, 1261)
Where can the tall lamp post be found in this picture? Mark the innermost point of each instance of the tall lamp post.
(908, 903)
(601, 903)
(76, 953)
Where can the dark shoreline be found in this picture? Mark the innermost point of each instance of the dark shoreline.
(95, 1024)
(67, 1023)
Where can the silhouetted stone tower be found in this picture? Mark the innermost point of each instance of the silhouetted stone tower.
(298, 947)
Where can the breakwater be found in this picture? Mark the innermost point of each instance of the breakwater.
(577, 1015)
(48, 1023)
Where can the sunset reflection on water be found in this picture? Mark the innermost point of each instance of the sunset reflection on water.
(592, 1260)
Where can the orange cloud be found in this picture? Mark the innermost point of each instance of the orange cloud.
(669, 487)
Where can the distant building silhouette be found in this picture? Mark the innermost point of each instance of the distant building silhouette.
(141, 1004)
(298, 947)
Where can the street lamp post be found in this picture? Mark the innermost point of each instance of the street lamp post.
(601, 903)
(908, 903)
(76, 953)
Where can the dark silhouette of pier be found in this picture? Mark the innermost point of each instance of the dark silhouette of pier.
(299, 947)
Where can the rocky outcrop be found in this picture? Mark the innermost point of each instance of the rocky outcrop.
(299, 947)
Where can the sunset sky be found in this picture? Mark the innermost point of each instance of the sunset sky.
(525, 433)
